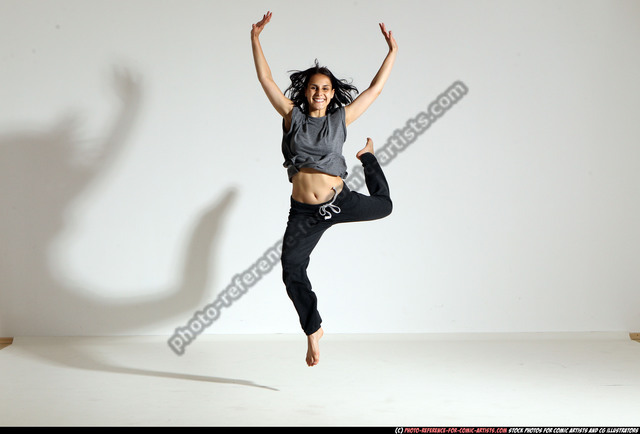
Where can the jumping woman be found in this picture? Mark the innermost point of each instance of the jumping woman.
(316, 111)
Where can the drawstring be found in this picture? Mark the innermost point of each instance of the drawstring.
(323, 208)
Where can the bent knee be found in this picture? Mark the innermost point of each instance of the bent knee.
(387, 207)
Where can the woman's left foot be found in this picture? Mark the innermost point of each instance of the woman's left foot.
(368, 148)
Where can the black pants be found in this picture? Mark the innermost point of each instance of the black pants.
(306, 225)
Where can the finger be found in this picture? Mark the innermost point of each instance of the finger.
(264, 18)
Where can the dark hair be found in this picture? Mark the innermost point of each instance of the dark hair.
(344, 91)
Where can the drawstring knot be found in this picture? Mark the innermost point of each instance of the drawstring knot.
(326, 213)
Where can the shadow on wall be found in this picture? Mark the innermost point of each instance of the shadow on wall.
(40, 177)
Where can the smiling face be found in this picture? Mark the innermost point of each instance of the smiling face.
(319, 93)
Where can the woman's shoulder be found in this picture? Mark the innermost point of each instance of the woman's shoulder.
(339, 114)
(295, 117)
(297, 112)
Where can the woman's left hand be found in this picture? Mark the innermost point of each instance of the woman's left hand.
(388, 36)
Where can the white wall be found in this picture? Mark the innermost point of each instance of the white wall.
(141, 166)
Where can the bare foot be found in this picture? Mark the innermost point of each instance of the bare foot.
(313, 347)
(368, 148)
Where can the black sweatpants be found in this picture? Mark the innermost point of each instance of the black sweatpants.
(306, 225)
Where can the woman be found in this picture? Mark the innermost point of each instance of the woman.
(315, 117)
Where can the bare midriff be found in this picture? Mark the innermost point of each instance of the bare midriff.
(314, 187)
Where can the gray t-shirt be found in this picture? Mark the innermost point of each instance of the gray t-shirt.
(315, 143)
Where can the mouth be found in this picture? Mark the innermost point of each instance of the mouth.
(319, 100)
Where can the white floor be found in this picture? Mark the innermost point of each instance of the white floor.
(538, 380)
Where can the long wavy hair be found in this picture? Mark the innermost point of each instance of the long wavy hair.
(345, 92)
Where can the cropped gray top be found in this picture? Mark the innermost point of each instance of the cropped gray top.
(315, 143)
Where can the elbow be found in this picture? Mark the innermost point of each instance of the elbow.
(265, 78)
(375, 91)
(375, 88)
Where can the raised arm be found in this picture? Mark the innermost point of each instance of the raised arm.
(280, 102)
(366, 98)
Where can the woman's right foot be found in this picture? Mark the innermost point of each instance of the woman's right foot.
(313, 347)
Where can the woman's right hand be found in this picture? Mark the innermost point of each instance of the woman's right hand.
(257, 27)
